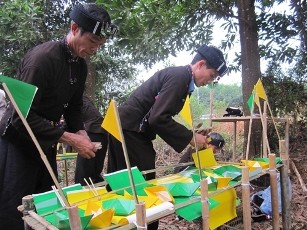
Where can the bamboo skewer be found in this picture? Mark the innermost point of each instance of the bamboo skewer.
(91, 187)
(58, 196)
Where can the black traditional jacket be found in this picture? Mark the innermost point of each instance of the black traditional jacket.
(60, 81)
(151, 107)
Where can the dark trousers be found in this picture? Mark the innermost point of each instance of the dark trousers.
(140, 151)
(92, 168)
(21, 174)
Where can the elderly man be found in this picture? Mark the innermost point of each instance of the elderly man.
(59, 70)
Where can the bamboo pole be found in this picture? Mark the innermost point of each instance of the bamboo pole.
(126, 154)
(246, 198)
(284, 185)
(42, 154)
(140, 216)
(287, 139)
(234, 147)
(205, 203)
(74, 218)
(248, 139)
(211, 103)
(264, 130)
(265, 138)
(299, 177)
(42, 221)
(274, 191)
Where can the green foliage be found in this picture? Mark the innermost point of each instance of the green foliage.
(20, 25)
(286, 95)
(115, 79)
(150, 32)
(223, 96)
(25, 24)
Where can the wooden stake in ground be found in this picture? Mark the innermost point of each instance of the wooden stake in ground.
(274, 191)
(246, 198)
(140, 216)
(205, 203)
(74, 218)
(284, 185)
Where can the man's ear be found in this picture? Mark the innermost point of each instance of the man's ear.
(74, 28)
(201, 63)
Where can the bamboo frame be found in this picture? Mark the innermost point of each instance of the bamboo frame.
(167, 212)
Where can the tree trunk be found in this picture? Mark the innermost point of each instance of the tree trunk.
(250, 68)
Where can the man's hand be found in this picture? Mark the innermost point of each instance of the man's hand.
(81, 143)
(201, 141)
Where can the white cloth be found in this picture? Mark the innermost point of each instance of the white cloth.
(3, 103)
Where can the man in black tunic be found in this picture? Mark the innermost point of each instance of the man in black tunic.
(150, 108)
(59, 70)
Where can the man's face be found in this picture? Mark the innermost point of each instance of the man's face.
(85, 44)
(203, 75)
(88, 43)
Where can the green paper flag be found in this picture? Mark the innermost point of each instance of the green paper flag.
(229, 171)
(60, 219)
(250, 101)
(182, 189)
(48, 201)
(120, 180)
(22, 92)
(192, 211)
(122, 207)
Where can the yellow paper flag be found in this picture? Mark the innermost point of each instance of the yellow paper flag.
(256, 100)
(111, 122)
(226, 211)
(260, 90)
(186, 112)
(207, 158)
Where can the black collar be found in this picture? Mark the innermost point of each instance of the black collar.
(68, 52)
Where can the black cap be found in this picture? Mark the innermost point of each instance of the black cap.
(214, 57)
(92, 24)
(216, 139)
